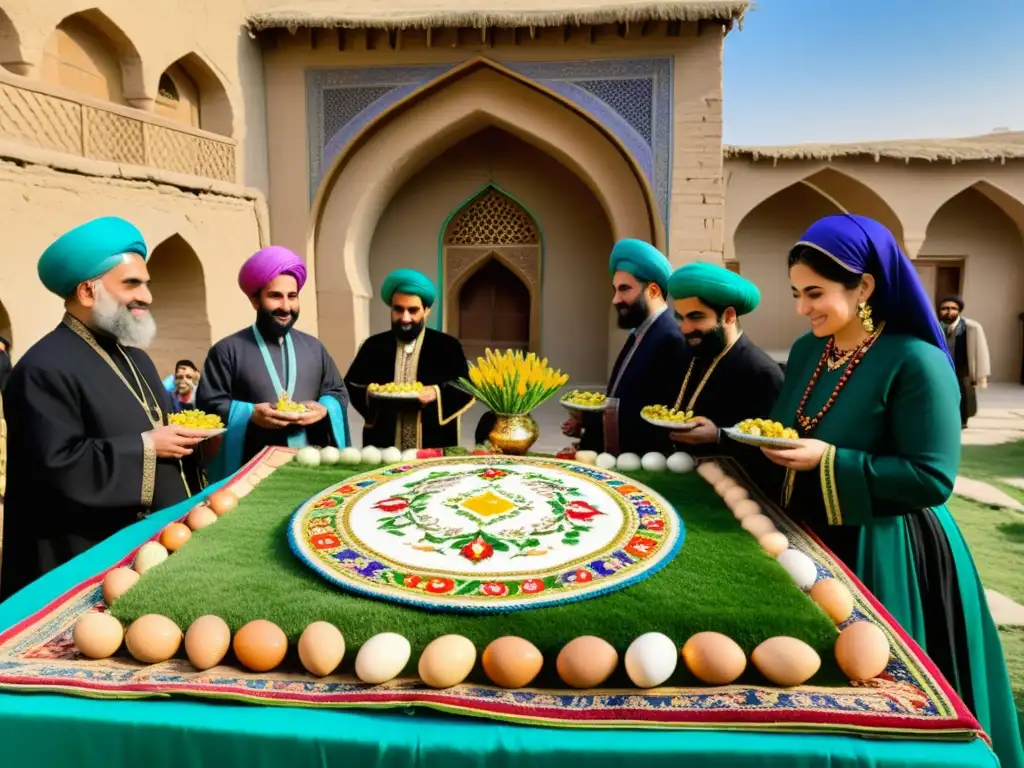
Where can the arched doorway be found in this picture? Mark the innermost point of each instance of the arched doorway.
(493, 309)
(372, 169)
(973, 244)
(179, 305)
(5, 324)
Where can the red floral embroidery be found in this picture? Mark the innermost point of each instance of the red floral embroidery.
(581, 510)
(492, 474)
(345, 490)
(439, 586)
(412, 581)
(494, 589)
(325, 503)
(392, 506)
(657, 524)
(533, 586)
(582, 576)
(640, 547)
(477, 550)
(325, 541)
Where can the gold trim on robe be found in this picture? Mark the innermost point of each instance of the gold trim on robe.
(829, 492)
(149, 470)
(408, 422)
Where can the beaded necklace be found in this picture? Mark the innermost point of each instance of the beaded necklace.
(808, 423)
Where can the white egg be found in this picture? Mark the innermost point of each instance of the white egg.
(151, 553)
(382, 658)
(586, 457)
(330, 455)
(605, 461)
(391, 455)
(680, 462)
(651, 659)
(653, 462)
(351, 455)
(800, 567)
(410, 454)
(308, 456)
(371, 455)
(628, 462)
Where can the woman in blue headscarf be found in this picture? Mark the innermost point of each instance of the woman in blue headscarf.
(872, 392)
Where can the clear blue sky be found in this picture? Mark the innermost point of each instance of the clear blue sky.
(849, 70)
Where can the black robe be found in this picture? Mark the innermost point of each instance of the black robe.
(235, 370)
(78, 470)
(651, 378)
(439, 362)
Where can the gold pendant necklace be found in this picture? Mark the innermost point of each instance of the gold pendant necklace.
(704, 380)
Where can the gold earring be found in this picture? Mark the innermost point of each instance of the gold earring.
(864, 313)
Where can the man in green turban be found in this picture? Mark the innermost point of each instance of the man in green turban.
(402, 380)
(727, 377)
(88, 437)
(645, 371)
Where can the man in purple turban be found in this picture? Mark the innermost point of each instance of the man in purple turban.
(269, 383)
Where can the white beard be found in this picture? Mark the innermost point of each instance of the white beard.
(110, 315)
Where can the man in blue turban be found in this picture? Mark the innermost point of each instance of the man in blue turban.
(645, 371)
(727, 378)
(425, 362)
(90, 449)
(249, 374)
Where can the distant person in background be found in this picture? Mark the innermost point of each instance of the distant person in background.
(969, 348)
(186, 381)
(5, 361)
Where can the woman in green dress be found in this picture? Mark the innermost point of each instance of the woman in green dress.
(872, 391)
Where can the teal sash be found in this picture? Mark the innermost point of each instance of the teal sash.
(296, 439)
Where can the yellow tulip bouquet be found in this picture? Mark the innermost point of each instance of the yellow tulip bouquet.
(511, 383)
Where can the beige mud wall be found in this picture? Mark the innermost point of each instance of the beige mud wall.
(576, 290)
(193, 305)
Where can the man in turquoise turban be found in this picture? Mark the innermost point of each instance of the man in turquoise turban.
(425, 363)
(88, 436)
(647, 363)
(727, 378)
(249, 374)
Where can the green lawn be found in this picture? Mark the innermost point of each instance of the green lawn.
(996, 538)
(241, 569)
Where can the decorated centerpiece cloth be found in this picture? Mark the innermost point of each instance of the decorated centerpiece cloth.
(486, 533)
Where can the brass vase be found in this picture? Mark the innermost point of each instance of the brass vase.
(514, 434)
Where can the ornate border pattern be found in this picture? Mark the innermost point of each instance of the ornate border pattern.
(632, 98)
(911, 700)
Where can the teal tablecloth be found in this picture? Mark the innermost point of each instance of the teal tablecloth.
(40, 731)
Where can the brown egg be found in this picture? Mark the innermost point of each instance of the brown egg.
(710, 471)
(200, 517)
(586, 662)
(512, 662)
(734, 495)
(774, 543)
(97, 635)
(260, 645)
(725, 484)
(117, 582)
(833, 598)
(758, 525)
(447, 661)
(321, 648)
(207, 641)
(152, 638)
(222, 502)
(862, 651)
(174, 536)
(714, 658)
(746, 508)
(786, 661)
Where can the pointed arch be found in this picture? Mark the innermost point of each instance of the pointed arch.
(93, 29)
(490, 225)
(11, 56)
(1008, 203)
(387, 152)
(6, 331)
(179, 304)
(195, 79)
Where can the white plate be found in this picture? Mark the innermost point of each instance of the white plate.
(583, 408)
(396, 395)
(675, 426)
(759, 441)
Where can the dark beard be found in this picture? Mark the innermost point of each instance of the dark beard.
(633, 315)
(404, 335)
(712, 341)
(270, 327)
